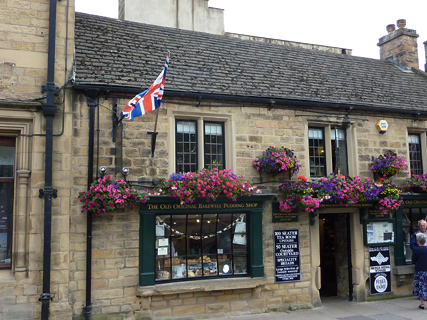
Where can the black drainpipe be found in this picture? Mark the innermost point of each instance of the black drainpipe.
(93, 98)
(49, 110)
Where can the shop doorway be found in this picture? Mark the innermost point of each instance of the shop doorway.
(335, 255)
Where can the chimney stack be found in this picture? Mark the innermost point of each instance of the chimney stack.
(400, 45)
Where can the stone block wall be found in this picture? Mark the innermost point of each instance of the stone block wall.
(24, 36)
(254, 128)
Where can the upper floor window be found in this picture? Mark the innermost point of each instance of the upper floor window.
(316, 146)
(415, 159)
(7, 169)
(194, 151)
(327, 157)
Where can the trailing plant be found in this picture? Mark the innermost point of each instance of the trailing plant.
(104, 195)
(341, 190)
(276, 160)
(207, 185)
(418, 183)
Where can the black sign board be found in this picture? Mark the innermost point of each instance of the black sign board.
(379, 270)
(283, 216)
(287, 255)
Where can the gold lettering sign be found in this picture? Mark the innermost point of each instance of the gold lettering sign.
(194, 206)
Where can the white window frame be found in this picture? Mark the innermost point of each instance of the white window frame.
(351, 146)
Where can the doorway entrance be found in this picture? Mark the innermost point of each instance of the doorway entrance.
(335, 255)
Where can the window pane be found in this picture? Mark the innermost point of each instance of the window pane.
(411, 216)
(339, 151)
(186, 146)
(415, 160)
(316, 145)
(6, 161)
(214, 145)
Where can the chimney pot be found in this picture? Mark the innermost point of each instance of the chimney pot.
(401, 23)
(391, 28)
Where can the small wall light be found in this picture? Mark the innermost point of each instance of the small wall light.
(382, 126)
(125, 171)
(103, 170)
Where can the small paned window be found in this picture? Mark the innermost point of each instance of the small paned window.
(339, 151)
(205, 245)
(186, 146)
(316, 145)
(214, 145)
(7, 170)
(191, 154)
(415, 159)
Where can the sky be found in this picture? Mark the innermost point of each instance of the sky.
(355, 25)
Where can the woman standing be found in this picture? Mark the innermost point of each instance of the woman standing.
(419, 258)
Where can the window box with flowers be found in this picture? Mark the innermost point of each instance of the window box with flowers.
(199, 226)
(342, 190)
(417, 183)
(276, 160)
(388, 164)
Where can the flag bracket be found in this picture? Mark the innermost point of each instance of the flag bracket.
(153, 141)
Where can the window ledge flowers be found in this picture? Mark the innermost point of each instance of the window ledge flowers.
(417, 183)
(275, 160)
(105, 195)
(207, 185)
(341, 190)
(388, 164)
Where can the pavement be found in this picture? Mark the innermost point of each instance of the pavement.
(337, 308)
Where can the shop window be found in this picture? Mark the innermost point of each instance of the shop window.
(410, 219)
(415, 159)
(191, 246)
(200, 241)
(331, 157)
(194, 151)
(7, 170)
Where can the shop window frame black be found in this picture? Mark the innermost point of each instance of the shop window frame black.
(410, 201)
(251, 206)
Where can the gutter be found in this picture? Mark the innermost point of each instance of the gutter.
(270, 102)
(49, 110)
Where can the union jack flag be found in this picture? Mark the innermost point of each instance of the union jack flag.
(148, 100)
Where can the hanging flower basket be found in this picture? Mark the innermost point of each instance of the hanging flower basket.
(388, 164)
(275, 160)
(105, 195)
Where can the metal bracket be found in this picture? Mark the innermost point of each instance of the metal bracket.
(46, 296)
(54, 193)
(44, 89)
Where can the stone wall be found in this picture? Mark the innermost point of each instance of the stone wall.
(254, 128)
(24, 35)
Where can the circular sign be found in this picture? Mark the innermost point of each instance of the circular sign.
(380, 284)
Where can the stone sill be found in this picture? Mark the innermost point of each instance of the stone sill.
(200, 286)
(402, 270)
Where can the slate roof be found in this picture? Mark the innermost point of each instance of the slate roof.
(124, 54)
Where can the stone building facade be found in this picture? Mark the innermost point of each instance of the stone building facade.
(25, 28)
(262, 94)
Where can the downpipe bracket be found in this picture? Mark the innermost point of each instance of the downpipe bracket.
(52, 192)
